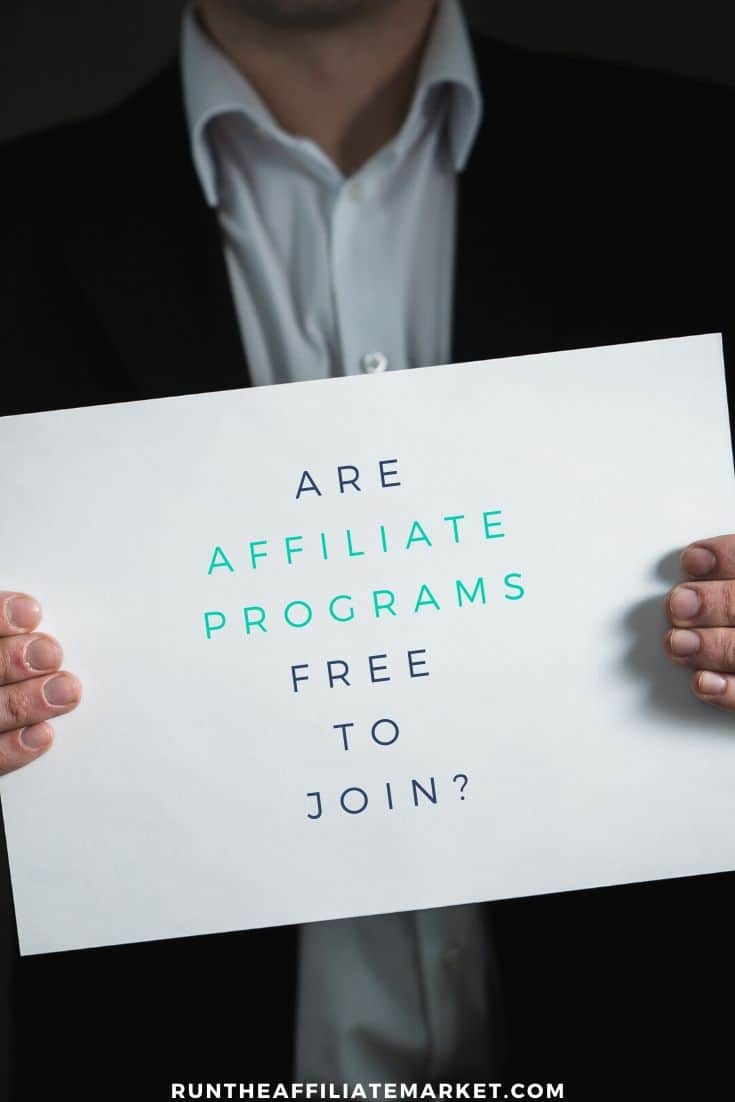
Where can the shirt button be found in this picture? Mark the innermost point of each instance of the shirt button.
(373, 363)
(355, 191)
(452, 956)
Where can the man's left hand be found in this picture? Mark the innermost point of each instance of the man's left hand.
(702, 614)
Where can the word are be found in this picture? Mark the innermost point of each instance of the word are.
(355, 800)
(348, 544)
(338, 671)
(347, 475)
(341, 608)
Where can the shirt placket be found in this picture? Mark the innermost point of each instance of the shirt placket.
(360, 315)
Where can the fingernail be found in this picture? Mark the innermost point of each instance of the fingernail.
(22, 612)
(684, 643)
(35, 738)
(42, 654)
(711, 683)
(684, 603)
(698, 561)
(61, 689)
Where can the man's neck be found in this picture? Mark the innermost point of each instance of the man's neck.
(347, 87)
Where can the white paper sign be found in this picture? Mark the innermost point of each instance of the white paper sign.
(500, 718)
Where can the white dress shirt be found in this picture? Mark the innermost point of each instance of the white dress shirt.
(326, 271)
(333, 276)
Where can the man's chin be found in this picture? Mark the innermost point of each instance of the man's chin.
(309, 14)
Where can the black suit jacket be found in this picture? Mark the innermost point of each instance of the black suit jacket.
(596, 208)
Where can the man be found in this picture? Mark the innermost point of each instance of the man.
(328, 187)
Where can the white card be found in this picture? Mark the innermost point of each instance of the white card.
(525, 733)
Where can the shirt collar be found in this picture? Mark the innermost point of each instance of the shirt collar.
(213, 86)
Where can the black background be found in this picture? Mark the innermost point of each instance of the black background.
(61, 61)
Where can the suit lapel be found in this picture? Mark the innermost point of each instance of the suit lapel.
(554, 250)
(150, 251)
(516, 287)
(501, 240)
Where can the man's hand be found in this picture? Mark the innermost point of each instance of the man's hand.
(32, 688)
(702, 612)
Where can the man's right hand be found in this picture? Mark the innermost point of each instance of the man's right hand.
(32, 688)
